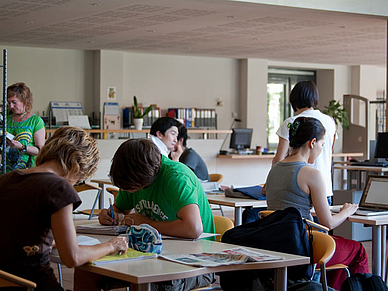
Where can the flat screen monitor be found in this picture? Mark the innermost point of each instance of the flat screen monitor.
(381, 150)
(241, 138)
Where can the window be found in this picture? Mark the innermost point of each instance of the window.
(280, 84)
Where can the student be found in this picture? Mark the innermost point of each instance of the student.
(40, 204)
(302, 187)
(188, 156)
(163, 193)
(164, 134)
(304, 99)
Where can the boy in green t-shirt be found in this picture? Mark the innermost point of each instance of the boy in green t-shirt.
(163, 193)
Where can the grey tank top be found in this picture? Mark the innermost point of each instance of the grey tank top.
(283, 190)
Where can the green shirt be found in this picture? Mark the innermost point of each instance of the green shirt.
(174, 187)
(24, 133)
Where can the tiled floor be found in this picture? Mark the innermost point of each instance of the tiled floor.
(68, 273)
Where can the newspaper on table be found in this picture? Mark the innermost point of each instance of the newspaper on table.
(226, 257)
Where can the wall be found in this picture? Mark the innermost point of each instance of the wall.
(53, 75)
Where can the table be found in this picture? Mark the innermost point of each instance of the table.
(101, 183)
(144, 272)
(358, 170)
(237, 203)
(379, 240)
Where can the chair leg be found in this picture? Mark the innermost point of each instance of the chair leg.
(347, 272)
(323, 277)
(94, 204)
(60, 273)
(222, 211)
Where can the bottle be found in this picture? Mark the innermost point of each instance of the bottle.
(258, 150)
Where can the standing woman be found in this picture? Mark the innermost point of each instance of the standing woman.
(293, 183)
(27, 128)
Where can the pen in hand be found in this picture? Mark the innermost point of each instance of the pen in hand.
(111, 211)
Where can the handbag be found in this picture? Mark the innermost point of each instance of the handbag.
(281, 231)
(144, 238)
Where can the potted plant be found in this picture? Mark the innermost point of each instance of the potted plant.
(138, 115)
(339, 114)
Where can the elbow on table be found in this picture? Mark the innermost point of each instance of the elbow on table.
(72, 261)
(195, 232)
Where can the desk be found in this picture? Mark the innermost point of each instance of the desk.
(237, 203)
(379, 244)
(144, 272)
(358, 170)
(101, 184)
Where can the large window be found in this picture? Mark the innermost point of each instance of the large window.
(280, 84)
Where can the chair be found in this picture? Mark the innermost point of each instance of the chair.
(84, 187)
(9, 280)
(325, 230)
(222, 224)
(217, 178)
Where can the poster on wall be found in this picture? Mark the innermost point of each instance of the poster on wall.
(111, 93)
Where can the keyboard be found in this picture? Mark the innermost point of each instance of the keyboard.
(370, 164)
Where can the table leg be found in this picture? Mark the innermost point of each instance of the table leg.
(376, 249)
(383, 250)
(237, 216)
(143, 287)
(101, 199)
(281, 279)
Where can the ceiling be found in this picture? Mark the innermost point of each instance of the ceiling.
(215, 28)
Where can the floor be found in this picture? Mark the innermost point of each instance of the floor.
(68, 273)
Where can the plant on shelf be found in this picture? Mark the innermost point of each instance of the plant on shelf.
(339, 114)
(138, 115)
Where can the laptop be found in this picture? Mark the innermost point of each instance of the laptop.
(374, 199)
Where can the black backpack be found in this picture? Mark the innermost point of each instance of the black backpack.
(282, 231)
(364, 282)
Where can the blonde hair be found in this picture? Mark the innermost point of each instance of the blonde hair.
(74, 149)
(23, 93)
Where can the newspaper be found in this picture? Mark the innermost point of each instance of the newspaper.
(226, 257)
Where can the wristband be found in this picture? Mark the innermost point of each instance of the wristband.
(23, 149)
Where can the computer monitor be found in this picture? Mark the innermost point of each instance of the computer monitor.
(241, 138)
(381, 150)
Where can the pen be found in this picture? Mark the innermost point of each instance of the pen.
(111, 211)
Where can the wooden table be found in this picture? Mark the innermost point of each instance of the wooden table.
(358, 170)
(144, 272)
(101, 183)
(237, 203)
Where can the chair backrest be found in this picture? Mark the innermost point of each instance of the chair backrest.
(323, 247)
(113, 191)
(216, 178)
(222, 224)
(9, 280)
(86, 186)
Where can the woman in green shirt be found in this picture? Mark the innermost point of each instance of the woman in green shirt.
(28, 128)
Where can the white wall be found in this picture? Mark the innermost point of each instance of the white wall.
(53, 75)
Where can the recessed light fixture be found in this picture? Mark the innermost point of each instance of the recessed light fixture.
(96, 4)
(29, 22)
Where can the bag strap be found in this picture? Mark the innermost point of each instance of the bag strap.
(310, 237)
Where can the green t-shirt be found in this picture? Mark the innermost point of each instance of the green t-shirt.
(174, 187)
(24, 133)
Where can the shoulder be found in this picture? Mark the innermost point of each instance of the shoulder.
(311, 174)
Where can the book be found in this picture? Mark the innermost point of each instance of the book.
(226, 257)
(130, 255)
(101, 229)
(8, 135)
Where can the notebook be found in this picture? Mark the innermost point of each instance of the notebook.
(211, 187)
(374, 199)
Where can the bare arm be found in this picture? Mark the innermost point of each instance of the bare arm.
(39, 139)
(312, 180)
(70, 252)
(281, 151)
(187, 225)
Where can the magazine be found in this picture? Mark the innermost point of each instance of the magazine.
(226, 257)
(101, 229)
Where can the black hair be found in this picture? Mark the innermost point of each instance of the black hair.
(304, 95)
(162, 124)
(182, 134)
(305, 129)
(135, 164)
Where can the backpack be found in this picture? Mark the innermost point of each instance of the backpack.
(282, 231)
(364, 282)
